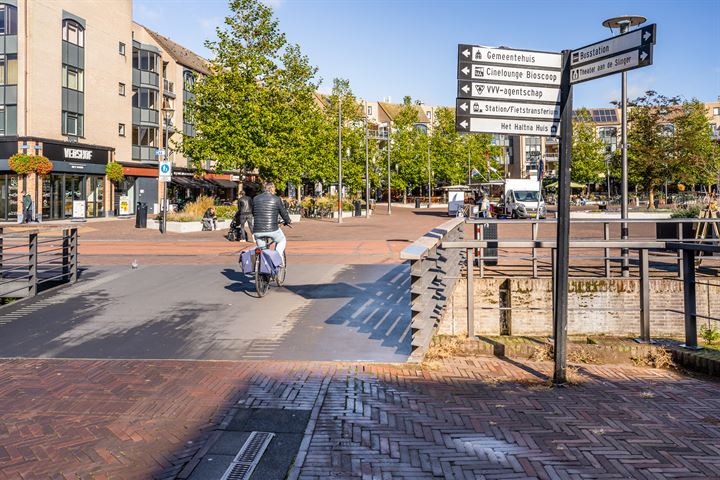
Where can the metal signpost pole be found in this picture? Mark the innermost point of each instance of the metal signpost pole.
(563, 226)
(340, 211)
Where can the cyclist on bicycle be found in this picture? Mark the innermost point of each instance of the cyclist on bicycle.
(266, 208)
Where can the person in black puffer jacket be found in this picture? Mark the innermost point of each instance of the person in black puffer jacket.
(244, 215)
(266, 208)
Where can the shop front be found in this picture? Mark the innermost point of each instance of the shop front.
(78, 174)
(186, 187)
(10, 184)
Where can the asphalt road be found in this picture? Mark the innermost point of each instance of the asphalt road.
(210, 312)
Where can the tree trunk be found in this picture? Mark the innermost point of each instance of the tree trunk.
(651, 198)
(405, 195)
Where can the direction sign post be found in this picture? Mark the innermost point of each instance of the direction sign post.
(524, 92)
(562, 256)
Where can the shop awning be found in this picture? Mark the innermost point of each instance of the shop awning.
(182, 181)
(221, 182)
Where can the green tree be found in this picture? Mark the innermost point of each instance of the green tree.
(651, 153)
(693, 145)
(256, 108)
(588, 151)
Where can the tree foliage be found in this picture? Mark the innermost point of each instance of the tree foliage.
(588, 150)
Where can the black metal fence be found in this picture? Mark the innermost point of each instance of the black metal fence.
(31, 259)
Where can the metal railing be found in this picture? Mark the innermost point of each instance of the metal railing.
(643, 248)
(30, 259)
(434, 270)
(599, 260)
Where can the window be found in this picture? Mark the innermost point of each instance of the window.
(72, 124)
(72, 78)
(429, 114)
(369, 110)
(609, 137)
(189, 78)
(73, 33)
(145, 60)
(121, 129)
(121, 48)
(532, 153)
(716, 111)
(121, 89)
(144, 136)
(145, 98)
(164, 69)
(8, 69)
(8, 20)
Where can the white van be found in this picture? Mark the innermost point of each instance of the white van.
(523, 199)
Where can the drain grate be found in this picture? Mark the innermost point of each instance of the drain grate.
(248, 457)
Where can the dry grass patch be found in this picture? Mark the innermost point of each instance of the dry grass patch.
(655, 358)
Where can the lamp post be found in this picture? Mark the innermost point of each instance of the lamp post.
(429, 176)
(340, 219)
(367, 167)
(167, 113)
(389, 190)
(624, 23)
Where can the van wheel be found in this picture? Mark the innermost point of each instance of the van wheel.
(514, 214)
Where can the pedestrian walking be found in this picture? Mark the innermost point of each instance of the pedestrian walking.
(245, 214)
(27, 207)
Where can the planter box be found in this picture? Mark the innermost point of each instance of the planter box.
(187, 227)
(669, 231)
(350, 214)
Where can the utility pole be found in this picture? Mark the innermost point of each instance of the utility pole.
(340, 210)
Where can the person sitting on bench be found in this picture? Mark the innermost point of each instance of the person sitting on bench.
(209, 220)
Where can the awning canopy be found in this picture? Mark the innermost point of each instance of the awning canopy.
(182, 181)
(221, 182)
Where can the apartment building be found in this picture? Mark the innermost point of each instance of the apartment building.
(83, 85)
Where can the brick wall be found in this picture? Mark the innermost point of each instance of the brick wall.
(595, 306)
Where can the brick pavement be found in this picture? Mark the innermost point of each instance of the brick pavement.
(461, 418)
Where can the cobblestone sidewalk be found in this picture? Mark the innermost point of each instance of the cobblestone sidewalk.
(462, 418)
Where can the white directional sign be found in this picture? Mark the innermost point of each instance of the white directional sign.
(507, 56)
(507, 92)
(165, 171)
(613, 46)
(508, 74)
(489, 108)
(507, 126)
(609, 65)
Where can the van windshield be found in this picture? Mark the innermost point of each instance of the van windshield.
(526, 196)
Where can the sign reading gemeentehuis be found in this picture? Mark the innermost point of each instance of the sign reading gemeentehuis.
(509, 57)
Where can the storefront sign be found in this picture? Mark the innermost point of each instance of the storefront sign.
(124, 205)
(75, 153)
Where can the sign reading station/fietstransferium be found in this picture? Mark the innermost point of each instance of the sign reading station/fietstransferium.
(507, 91)
(617, 54)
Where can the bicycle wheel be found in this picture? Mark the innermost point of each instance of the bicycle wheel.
(280, 275)
(262, 280)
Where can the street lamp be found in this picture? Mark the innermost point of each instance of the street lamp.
(340, 219)
(167, 114)
(623, 23)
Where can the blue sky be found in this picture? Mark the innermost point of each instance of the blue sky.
(409, 47)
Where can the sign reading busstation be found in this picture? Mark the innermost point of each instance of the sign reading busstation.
(501, 90)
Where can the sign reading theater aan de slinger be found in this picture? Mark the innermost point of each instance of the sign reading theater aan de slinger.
(506, 91)
(613, 55)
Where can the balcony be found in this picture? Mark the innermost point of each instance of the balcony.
(143, 153)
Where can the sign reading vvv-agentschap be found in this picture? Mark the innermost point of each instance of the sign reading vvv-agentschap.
(617, 54)
(507, 91)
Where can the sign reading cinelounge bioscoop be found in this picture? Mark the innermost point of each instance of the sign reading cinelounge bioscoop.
(502, 90)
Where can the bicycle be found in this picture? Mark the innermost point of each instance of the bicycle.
(263, 280)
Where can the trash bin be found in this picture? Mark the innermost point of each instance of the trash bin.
(358, 207)
(141, 215)
(417, 202)
(489, 233)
